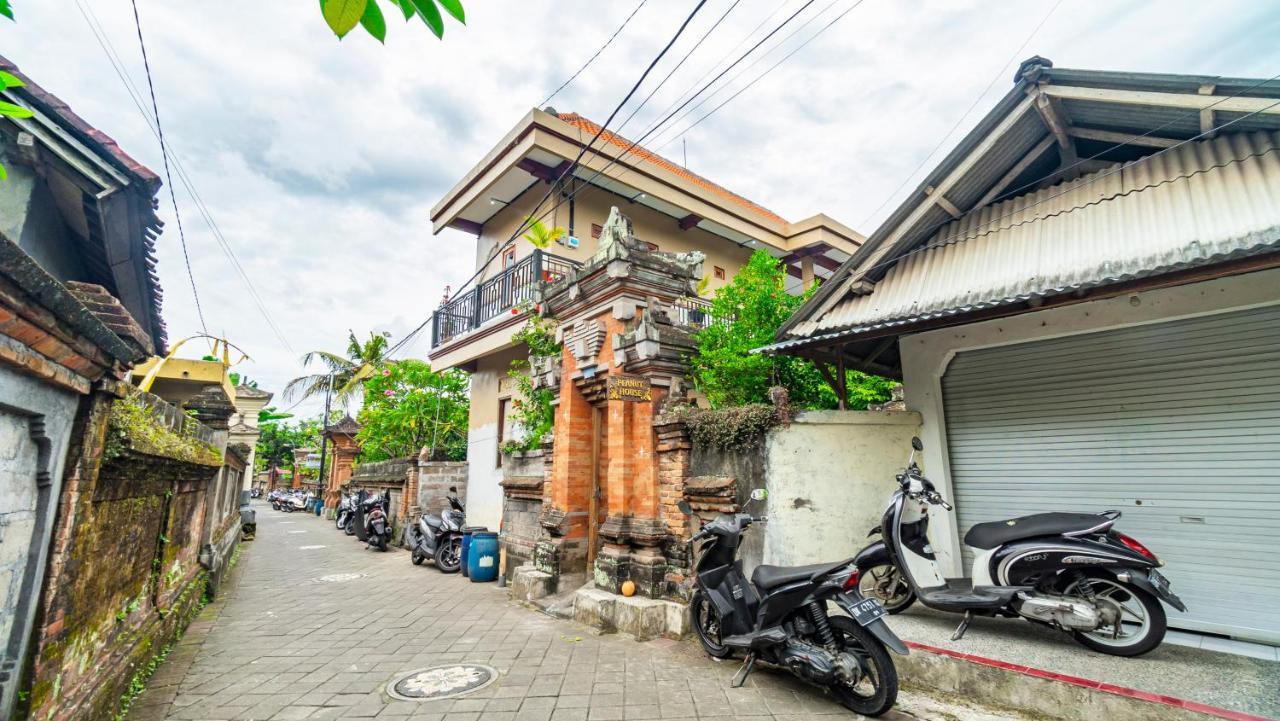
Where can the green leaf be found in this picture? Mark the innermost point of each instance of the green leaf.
(5, 10)
(14, 111)
(373, 21)
(406, 7)
(454, 8)
(10, 81)
(431, 16)
(4, 175)
(343, 15)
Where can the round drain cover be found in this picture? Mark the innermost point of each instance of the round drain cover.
(442, 682)
(339, 577)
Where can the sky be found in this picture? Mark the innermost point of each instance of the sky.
(320, 159)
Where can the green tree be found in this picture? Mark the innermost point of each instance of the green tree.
(408, 407)
(7, 80)
(348, 371)
(277, 440)
(729, 374)
(343, 16)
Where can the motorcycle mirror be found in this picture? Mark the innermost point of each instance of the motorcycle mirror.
(685, 508)
(916, 444)
(759, 494)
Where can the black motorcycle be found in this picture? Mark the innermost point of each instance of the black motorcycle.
(370, 519)
(781, 617)
(1071, 571)
(346, 509)
(440, 538)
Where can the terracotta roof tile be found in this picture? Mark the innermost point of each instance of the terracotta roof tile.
(639, 151)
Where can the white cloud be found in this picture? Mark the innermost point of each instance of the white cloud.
(320, 159)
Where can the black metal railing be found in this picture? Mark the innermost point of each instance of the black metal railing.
(695, 313)
(516, 284)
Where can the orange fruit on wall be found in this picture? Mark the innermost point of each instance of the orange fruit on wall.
(628, 588)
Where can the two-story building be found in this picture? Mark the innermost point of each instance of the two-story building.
(671, 208)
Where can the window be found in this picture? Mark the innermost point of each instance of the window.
(504, 433)
(508, 257)
(596, 230)
(719, 272)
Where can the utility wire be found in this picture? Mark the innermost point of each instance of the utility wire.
(771, 68)
(117, 64)
(552, 186)
(593, 57)
(999, 73)
(173, 195)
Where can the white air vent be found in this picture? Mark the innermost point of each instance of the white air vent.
(570, 241)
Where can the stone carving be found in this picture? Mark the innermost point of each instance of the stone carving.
(615, 234)
(584, 340)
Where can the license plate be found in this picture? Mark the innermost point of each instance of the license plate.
(1158, 581)
(867, 610)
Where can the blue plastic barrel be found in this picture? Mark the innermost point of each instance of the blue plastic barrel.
(467, 533)
(482, 563)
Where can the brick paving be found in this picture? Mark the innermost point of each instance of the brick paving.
(279, 644)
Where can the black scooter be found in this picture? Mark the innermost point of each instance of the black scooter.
(371, 524)
(346, 507)
(440, 538)
(1070, 571)
(781, 617)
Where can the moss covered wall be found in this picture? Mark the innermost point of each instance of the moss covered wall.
(125, 576)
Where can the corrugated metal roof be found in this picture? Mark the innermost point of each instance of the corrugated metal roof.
(1202, 202)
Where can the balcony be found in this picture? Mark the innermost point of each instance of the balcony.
(516, 284)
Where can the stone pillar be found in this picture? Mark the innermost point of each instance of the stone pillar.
(344, 458)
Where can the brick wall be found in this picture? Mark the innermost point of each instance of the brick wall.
(123, 577)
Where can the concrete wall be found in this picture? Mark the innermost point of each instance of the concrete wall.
(35, 427)
(927, 355)
(749, 468)
(830, 474)
(484, 474)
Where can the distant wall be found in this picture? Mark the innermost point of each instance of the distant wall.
(748, 468)
(830, 474)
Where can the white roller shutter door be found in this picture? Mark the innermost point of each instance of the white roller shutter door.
(1176, 424)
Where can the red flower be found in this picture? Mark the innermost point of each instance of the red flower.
(515, 311)
(537, 307)
(388, 393)
(546, 276)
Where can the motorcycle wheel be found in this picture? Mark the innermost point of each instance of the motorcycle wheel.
(1142, 618)
(417, 557)
(888, 586)
(380, 541)
(350, 528)
(706, 622)
(877, 690)
(449, 556)
(339, 522)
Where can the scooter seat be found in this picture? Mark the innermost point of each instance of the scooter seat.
(996, 533)
(769, 577)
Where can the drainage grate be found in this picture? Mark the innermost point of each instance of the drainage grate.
(442, 682)
(339, 577)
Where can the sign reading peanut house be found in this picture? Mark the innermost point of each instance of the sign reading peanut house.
(628, 388)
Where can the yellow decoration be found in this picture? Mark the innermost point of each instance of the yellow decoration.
(628, 588)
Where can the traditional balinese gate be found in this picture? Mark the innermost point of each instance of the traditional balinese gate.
(605, 510)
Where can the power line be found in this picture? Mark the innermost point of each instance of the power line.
(999, 73)
(519, 229)
(771, 68)
(118, 66)
(173, 195)
(593, 57)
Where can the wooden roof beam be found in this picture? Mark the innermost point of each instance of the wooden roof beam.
(1185, 101)
(1208, 123)
(942, 202)
(1018, 168)
(689, 221)
(1056, 120)
(1109, 136)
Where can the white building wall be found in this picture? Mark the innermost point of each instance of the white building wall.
(925, 357)
(830, 475)
(484, 476)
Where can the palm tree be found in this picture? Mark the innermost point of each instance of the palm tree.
(540, 235)
(347, 372)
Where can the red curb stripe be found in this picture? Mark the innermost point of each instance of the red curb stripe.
(1133, 693)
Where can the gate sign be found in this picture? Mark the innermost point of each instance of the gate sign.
(628, 388)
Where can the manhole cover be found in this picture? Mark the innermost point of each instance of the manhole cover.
(339, 577)
(442, 682)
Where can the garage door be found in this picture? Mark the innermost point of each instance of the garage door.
(1176, 424)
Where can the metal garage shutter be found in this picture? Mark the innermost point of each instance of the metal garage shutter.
(1176, 424)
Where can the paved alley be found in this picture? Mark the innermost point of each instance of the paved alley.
(282, 644)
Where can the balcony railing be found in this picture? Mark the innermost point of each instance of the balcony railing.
(695, 313)
(516, 284)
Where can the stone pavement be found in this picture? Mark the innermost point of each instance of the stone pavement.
(281, 644)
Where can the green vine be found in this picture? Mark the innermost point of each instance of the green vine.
(134, 426)
(733, 428)
(533, 409)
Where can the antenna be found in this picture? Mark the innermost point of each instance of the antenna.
(684, 145)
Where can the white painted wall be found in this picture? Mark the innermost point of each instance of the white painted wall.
(830, 475)
(925, 357)
(484, 494)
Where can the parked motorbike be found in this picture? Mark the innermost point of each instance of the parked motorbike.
(440, 538)
(346, 507)
(371, 523)
(781, 617)
(1071, 571)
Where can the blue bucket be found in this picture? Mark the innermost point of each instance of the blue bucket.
(482, 563)
(467, 533)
